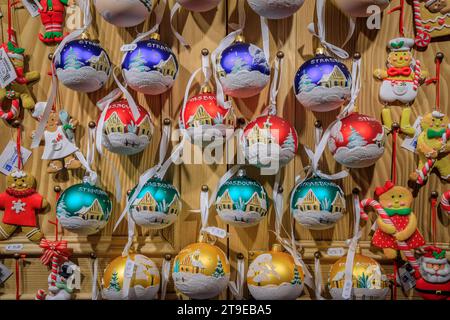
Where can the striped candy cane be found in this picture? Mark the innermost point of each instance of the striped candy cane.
(55, 270)
(13, 111)
(423, 37)
(417, 74)
(40, 295)
(403, 246)
(445, 202)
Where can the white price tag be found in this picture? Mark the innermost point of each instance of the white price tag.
(129, 269)
(14, 247)
(217, 232)
(410, 144)
(7, 72)
(128, 47)
(32, 6)
(8, 158)
(336, 252)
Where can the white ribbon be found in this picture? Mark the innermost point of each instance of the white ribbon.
(87, 19)
(94, 270)
(237, 288)
(90, 176)
(177, 35)
(204, 209)
(265, 37)
(133, 106)
(165, 272)
(90, 153)
(278, 204)
(341, 53)
(274, 88)
(318, 280)
(159, 14)
(353, 244)
(356, 88)
(118, 186)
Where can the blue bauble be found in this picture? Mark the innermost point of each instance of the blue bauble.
(242, 201)
(317, 203)
(151, 67)
(84, 209)
(83, 65)
(157, 206)
(322, 83)
(243, 70)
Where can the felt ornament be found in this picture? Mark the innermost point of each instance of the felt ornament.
(275, 9)
(445, 203)
(400, 81)
(83, 65)
(434, 283)
(20, 203)
(273, 275)
(124, 13)
(17, 94)
(199, 6)
(132, 277)
(361, 8)
(52, 14)
(433, 147)
(431, 20)
(397, 223)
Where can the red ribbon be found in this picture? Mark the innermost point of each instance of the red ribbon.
(405, 71)
(54, 249)
(387, 186)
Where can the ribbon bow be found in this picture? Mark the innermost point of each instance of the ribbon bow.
(405, 71)
(54, 249)
(432, 133)
(387, 186)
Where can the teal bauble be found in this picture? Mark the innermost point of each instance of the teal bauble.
(84, 209)
(157, 205)
(317, 203)
(241, 201)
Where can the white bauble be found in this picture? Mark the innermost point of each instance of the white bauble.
(275, 9)
(199, 6)
(124, 13)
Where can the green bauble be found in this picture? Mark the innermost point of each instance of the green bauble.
(317, 203)
(157, 205)
(84, 209)
(241, 201)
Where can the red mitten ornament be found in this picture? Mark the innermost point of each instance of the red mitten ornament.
(20, 202)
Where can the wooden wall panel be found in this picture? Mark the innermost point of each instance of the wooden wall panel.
(205, 31)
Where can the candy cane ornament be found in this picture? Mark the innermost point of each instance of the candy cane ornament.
(445, 202)
(423, 37)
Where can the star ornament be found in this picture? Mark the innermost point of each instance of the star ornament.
(18, 206)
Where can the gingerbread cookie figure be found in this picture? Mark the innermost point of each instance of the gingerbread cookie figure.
(20, 202)
(17, 92)
(401, 81)
(433, 147)
(59, 145)
(437, 6)
(396, 201)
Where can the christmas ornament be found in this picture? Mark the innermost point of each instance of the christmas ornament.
(17, 93)
(397, 223)
(273, 275)
(199, 6)
(434, 283)
(83, 65)
(124, 13)
(242, 69)
(20, 202)
(445, 202)
(121, 133)
(368, 279)
(157, 206)
(133, 277)
(201, 271)
(267, 139)
(317, 203)
(275, 9)
(322, 83)
(84, 208)
(52, 14)
(151, 67)
(357, 141)
(433, 147)
(401, 81)
(204, 120)
(361, 8)
(431, 20)
(242, 201)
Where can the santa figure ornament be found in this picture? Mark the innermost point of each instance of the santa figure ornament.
(434, 283)
(361, 8)
(242, 69)
(273, 275)
(275, 9)
(121, 133)
(133, 277)
(124, 13)
(83, 65)
(357, 141)
(199, 6)
(322, 83)
(151, 67)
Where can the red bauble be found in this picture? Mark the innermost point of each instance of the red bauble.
(121, 133)
(205, 120)
(357, 141)
(269, 139)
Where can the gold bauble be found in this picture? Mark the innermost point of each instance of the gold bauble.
(273, 275)
(144, 282)
(201, 271)
(369, 280)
